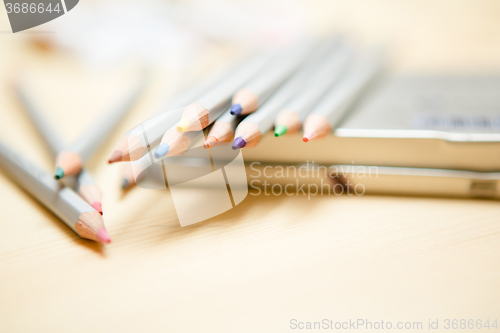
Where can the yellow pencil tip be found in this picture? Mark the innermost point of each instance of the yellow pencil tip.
(183, 125)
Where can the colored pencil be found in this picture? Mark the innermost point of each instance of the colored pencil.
(128, 179)
(133, 145)
(69, 161)
(88, 190)
(84, 184)
(222, 130)
(293, 113)
(336, 103)
(175, 143)
(252, 128)
(212, 104)
(248, 99)
(62, 201)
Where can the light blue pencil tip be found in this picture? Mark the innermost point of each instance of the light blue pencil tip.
(162, 150)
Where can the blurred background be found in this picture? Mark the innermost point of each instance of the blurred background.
(441, 262)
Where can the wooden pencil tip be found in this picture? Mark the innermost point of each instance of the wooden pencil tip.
(280, 130)
(103, 237)
(210, 142)
(310, 135)
(116, 156)
(125, 183)
(162, 150)
(97, 206)
(59, 173)
(238, 143)
(236, 109)
(183, 125)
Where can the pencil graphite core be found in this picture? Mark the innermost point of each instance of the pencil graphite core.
(162, 150)
(91, 226)
(194, 118)
(220, 132)
(70, 164)
(103, 237)
(249, 132)
(126, 183)
(316, 126)
(238, 143)
(92, 195)
(59, 173)
(246, 100)
(98, 207)
(236, 109)
(280, 130)
(176, 142)
(290, 120)
(211, 141)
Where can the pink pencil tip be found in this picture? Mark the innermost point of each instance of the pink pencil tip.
(97, 206)
(103, 237)
(116, 156)
(305, 139)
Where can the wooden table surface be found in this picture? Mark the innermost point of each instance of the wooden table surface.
(270, 260)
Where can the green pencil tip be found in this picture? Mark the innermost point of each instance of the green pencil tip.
(280, 130)
(59, 173)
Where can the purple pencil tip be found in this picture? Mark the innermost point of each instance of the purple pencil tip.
(238, 143)
(236, 110)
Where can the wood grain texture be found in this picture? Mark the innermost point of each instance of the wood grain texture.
(271, 259)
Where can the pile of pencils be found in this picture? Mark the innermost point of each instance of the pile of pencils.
(311, 84)
(71, 193)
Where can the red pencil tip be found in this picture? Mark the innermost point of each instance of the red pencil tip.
(103, 237)
(116, 156)
(97, 206)
(305, 139)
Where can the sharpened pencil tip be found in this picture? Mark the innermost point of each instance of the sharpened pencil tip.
(309, 136)
(116, 156)
(162, 150)
(211, 141)
(183, 125)
(125, 183)
(97, 206)
(236, 110)
(280, 130)
(103, 237)
(59, 173)
(238, 143)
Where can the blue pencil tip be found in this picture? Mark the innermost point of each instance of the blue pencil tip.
(236, 109)
(162, 150)
(238, 143)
